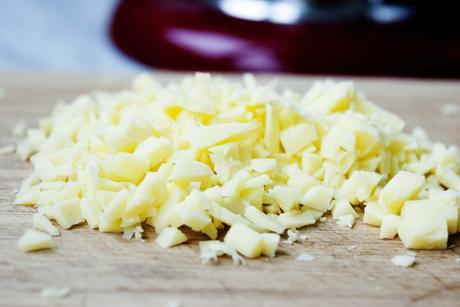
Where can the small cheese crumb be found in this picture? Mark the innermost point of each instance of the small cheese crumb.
(351, 247)
(20, 130)
(171, 236)
(346, 221)
(457, 260)
(304, 257)
(404, 260)
(450, 109)
(293, 236)
(7, 150)
(210, 250)
(55, 292)
(34, 240)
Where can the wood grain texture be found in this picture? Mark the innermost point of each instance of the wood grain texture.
(106, 270)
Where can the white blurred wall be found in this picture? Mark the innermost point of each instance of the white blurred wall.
(59, 35)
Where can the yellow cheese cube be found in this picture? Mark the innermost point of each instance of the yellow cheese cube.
(245, 240)
(447, 209)
(272, 129)
(91, 212)
(318, 198)
(403, 186)
(125, 167)
(389, 227)
(263, 165)
(207, 136)
(155, 149)
(262, 220)
(270, 242)
(189, 216)
(210, 230)
(34, 240)
(286, 197)
(423, 228)
(187, 170)
(342, 207)
(296, 219)
(67, 213)
(29, 196)
(128, 134)
(373, 214)
(359, 187)
(311, 162)
(116, 207)
(297, 137)
(170, 237)
(150, 193)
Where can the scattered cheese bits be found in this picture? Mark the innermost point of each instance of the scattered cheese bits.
(403, 260)
(34, 240)
(7, 150)
(211, 154)
(210, 250)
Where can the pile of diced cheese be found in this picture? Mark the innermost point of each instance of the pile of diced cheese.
(236, 158)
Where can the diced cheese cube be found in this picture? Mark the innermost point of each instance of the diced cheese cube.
(125, 167)
(272, 129)
(155, 149)
(286, 197)
(189, 216)
(342, 207)
(116, 207)
(311, 162)
(262, 220)
(297, 137)
(29, 196)
(346, 220)
(34, 240)
(210, 230)
(170, 237)
(91, 212)
(296, 219)
(423, 228)
(207, 136)
(270, 242)
(187, 170)
(245, 240)
(373, 214)
(358, 188)
(403, 186)
(318, 198)
(448, 209)
(151, 192)
(389, 227)
(67, 213)
(42, 223)
(263, 165)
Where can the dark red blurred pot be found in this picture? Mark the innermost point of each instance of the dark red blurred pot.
(198, 35)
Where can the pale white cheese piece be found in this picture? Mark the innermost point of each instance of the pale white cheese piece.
(170, 236)
(34, 240)
(42, 223)
(55, 292)
(346, 221)
(403, 260)
(304, 257)
(210, 250)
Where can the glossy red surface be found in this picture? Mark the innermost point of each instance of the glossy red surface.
(187, 35)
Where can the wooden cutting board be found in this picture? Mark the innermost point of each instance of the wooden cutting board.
(106, 270)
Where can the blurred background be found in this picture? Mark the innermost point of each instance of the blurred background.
(413, 38)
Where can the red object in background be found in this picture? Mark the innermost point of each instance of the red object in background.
(194, 35)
